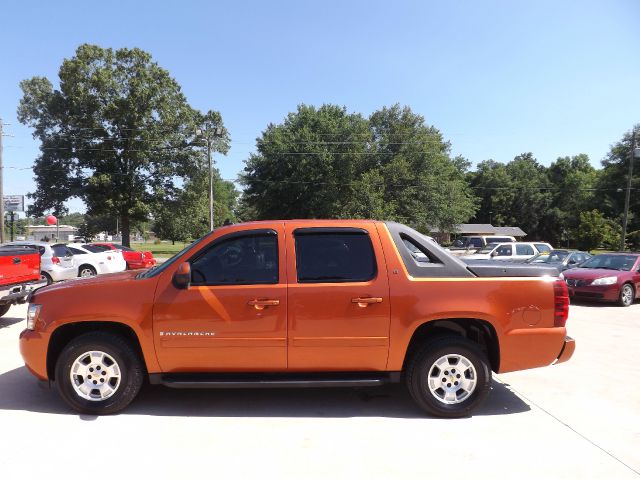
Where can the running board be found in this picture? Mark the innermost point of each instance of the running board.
(279, 380)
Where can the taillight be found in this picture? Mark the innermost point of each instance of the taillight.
(561, 303)
(55, 260)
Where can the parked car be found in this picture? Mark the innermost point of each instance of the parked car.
(562, 259)
(606, 277)
(295, 303)
(19, 275)
(56, 261)
(510, 251)
(135, 259)
(90, 260)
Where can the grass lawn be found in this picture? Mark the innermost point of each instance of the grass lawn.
(162, 250)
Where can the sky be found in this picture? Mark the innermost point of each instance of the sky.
(496, 77)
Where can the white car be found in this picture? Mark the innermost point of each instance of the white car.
(91, 260)
(56, 261)
(510, 251)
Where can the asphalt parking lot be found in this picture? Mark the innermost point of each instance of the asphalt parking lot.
(580, 419)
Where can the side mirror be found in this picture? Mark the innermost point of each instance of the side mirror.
(182, 276)
(495, 253)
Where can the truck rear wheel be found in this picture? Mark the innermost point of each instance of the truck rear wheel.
(98, 373)
(449, 377)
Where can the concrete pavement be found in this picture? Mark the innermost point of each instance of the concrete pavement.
(578, 419)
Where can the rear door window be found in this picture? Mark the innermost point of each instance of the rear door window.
(334, 257)
(524, 250)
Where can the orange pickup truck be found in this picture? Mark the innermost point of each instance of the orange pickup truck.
(300, 303)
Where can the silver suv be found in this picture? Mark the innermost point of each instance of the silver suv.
(56, 261)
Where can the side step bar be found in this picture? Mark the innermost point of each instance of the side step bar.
(267, 380)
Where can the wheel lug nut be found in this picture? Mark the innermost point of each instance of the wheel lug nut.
(456, 383)
(458, 376)
(91, 369)
(448, 385)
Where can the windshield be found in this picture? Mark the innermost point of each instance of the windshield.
(156, 270)
(617, 262)
(555, 257)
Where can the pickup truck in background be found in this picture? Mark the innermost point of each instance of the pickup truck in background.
(300, 303)
(19, 275)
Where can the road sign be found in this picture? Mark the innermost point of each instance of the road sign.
(13, 202)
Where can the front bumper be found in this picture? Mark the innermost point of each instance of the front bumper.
(33, 348)
(609, 292)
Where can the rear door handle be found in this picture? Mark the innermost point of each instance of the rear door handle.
(263, 303)
(16, 260)
(364, 302)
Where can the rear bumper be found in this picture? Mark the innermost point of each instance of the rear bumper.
(139, 264)
(18, 293)
(567, 350)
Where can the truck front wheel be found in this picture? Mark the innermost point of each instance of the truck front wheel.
(449, 377)
(98, 373)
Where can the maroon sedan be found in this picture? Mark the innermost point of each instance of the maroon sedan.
(606, 277)
(134, 259)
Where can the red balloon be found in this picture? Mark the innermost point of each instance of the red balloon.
(51, 220)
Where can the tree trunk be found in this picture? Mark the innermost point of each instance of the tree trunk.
(126, 230)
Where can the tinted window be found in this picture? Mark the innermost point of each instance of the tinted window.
(524, 249)
(499, 239)
(123, 248)
(240, 260)
(61, 250)
(415, 251)
(476, 242)
(76, 251)
(334, 258)
(504, 250)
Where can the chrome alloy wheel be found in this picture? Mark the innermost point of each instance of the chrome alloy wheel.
(86, 273)
(95, 376)
(627, 294)
(452, 379)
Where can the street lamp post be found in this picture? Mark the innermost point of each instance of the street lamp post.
(209, 132)
(635, 153)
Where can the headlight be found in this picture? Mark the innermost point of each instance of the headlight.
(605, 281)
(32, 315)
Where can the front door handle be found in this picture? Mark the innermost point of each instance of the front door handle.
(263, 303)
(364, 302)
(16, 260)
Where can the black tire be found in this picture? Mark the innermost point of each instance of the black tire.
(424, 362)
(46, 277)
(4, 308)
(627, 295)
(86, 271)
(128, 364)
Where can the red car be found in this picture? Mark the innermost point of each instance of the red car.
(606, 277)
(134, 259)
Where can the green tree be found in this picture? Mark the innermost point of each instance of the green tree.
(327, 163)
(594, 230)
(185, 215)
(573, 182)
(517, 194)
(116, 132)
(612, 186)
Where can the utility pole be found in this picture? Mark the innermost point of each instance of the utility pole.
(209, 133)
(2, 238)
(634, 151)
